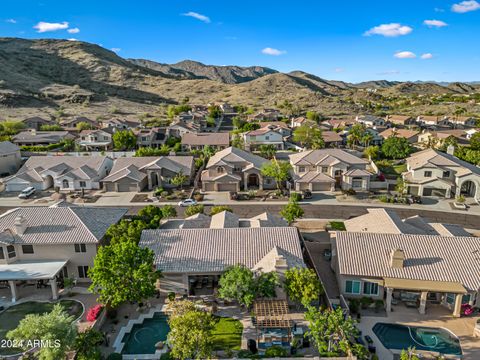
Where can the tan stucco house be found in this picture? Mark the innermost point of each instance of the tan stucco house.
(10, 158)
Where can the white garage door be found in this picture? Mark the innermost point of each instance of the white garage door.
(227, 187)
(16, 187)
(321, 187)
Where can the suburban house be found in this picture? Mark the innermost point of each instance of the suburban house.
(192, 260)
(180, 128)
(10, 158)
(72, 123)
(327, 169)
(153, 137)
(463, 121)
(387, 221)
(437, 138)
(332, 139)
(370, 120)
(95, 140)
(334, 124)
(235, 170)
(36, 138)
(434, 173)
(411, 135)
(269, 135)
(66, 173)
(433, 121)
(44, 245)
(266, 115)
(138, 173)
(113, 125)
(36, 122)
(401, 120)
(299, 121)
(192, 141)
(278, 126)
(409, 268)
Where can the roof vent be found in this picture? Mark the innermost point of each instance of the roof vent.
(397, 258)
(450, 149)
(20, 225)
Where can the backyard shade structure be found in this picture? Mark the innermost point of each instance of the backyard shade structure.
(272, 314)
(419, 285)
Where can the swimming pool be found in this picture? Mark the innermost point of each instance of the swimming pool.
(398, 337)
(143, 337)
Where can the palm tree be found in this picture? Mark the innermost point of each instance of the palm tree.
(367, 138)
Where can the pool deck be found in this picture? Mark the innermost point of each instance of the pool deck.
(437, 316)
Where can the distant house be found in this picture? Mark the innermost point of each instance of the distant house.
(410, 135)
(36, 122)
(10, 158)
(95, 140)
(400, 120)
(113, 125)
(138, 173)
(279, 126)
(50, 244)
(153, 137)
(72, 123)
(463, 121)
(299, 121)
(370, 120)
(332, 139)
(269, 135)
(334, 124)
(66, 173)
(218, 141)
(179, 128)
(235, 170)
(266, 115)
(437, 138)
(434, 173)
(35, 138)
(326, 169)
(433, 121)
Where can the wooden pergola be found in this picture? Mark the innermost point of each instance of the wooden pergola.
(272, 314)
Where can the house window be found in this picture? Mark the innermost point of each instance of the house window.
(2, 255)
(11, 251)
(83, 184)
(466, 299)
(338, 172)
(237, 168)
(324, 169)
(268, 181)
(65, 184)
(144, 139)
(450, 298)
(370, 288)
(220, 169)
(446, 174)
(427, 174)
(80, 248)
(301, 169)
(267, 137)
(27, 249)
(83, 272)
(352, 287)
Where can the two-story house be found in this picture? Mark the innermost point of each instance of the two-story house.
(370, 120)
(192, 141)
(73, 123)
(431, 121)
(401, 120)
(268, 135)
(36, 122)
(434, 173)
(10, 158)
(234, 169)
(327, 169)
(41, 138)
(95, 140)
(153, 137)
(463, 121)
(43, 245)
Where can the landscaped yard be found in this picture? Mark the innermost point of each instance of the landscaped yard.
(390, 168)
(227, 334)
(10, 318)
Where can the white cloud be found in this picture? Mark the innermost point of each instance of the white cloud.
(426, 56)
(389, 30)
(198, 16)
(73, 30)
(435, 23)
(273, 52)
(46, 26)
(405, 55)
(466, 6)
(11, 21)
(116, 50)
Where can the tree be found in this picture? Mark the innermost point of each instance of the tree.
(309, 137)
(372, 152)
(237, 141)
(313, 115)
(409, 354)
(208, 151)
(83, 125)
(367, 138)
(268, 151)
(194, 209)
(292, 211)
(401, 186)
(123, 271)
(168, 211)
(190, 334)
(266, 284)
(449, 141)
(278, 170)
(179, 179)
(55, 328)
(331, 331)
(126, 230)
(355, 135)
(86, 345)
(220, 208)
(54, 127)
(475, 141)
(12, 127)
(251, 126)
(396, 148)
(238, 122)
(214, 111)
(124, 140)
(302, 285)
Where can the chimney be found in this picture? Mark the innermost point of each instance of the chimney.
(34, 132)
(20, 225)
(450, 149)
(397, 257)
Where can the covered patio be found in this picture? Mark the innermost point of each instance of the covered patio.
(273, 323)
(40, 274)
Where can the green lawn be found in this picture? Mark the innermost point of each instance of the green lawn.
(227, 334)
(337, 225)
(10, 318)
(395, 170)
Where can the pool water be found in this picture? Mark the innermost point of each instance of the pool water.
(399, 337)
(143, 337)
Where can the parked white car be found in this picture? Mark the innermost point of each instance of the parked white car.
(26, 193)
(187, 202)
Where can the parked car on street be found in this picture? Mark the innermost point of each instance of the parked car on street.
(187, 202)
(306, 194)
(26, 193)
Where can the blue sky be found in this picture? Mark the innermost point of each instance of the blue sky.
(347, 40)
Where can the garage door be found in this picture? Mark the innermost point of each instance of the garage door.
(321, 187)
(434, 192)
(16, 187)
(123, 187)
(227, 187)
(109, 187)
(209, 186)
(413, 190)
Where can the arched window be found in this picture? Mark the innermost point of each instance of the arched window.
(220, 169)
(65, 183)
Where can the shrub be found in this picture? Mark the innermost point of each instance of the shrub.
(93, 312)
(276, 351)
(366, 302)
(171, 296)
(354, 305)
(383, 198)
(337, 225)
(219, 208)
(158, 191)
(295, 196)
(194, 209)
(164, 193)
